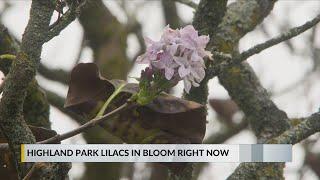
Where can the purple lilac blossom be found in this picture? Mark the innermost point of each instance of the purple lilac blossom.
(179, 52)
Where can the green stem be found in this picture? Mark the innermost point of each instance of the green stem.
(8, 56)
(113, 95)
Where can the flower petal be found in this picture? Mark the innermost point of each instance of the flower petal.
(198, 73)
(142, 59)
(158, 64)
(168, 73)
(183, 71)
(187, 85)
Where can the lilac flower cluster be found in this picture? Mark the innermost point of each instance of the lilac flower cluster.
(179, 52)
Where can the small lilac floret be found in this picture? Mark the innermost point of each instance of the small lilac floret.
(179, 52)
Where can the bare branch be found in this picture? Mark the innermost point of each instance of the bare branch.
(29, 174)
(88, 125)
(170, 13)
(229, 60)
(206, 20)
(276, 40)
(21, 74)
(58, 75)
(265, 118)
(65, 20)
(309, 126)
(300, 132)
(207, 17)
(58, 102)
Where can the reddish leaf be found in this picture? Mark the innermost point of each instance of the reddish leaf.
(168, 113)
(86, 88)
(177, 116)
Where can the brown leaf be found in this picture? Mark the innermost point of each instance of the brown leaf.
(179, 117)
(86, 88)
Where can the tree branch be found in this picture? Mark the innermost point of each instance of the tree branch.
(92, 123)
(240, 80)
(88, 125)
(170, 12)
(22, 71)
(303, 130)
(242, 84)
(107, 38)
(229, 60)
(58, 102)
(206, 20)
(21, 74)
(276, 40)
(65, 20)
(59, 75)
(309, 126)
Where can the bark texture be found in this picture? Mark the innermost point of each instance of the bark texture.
(265, 118)
(19, 82)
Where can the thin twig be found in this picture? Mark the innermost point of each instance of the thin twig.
(30, 172)
(189, 3)
(219, 66)
(82, 128)
(64, 21)
(87, 125)
(299, 83)
(276, 40)
(112, 96)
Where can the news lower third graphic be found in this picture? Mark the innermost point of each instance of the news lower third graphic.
(156, 153)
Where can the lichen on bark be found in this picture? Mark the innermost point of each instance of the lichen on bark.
(206, 20)
(36, 106)
(265, 118)
(21, 74)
